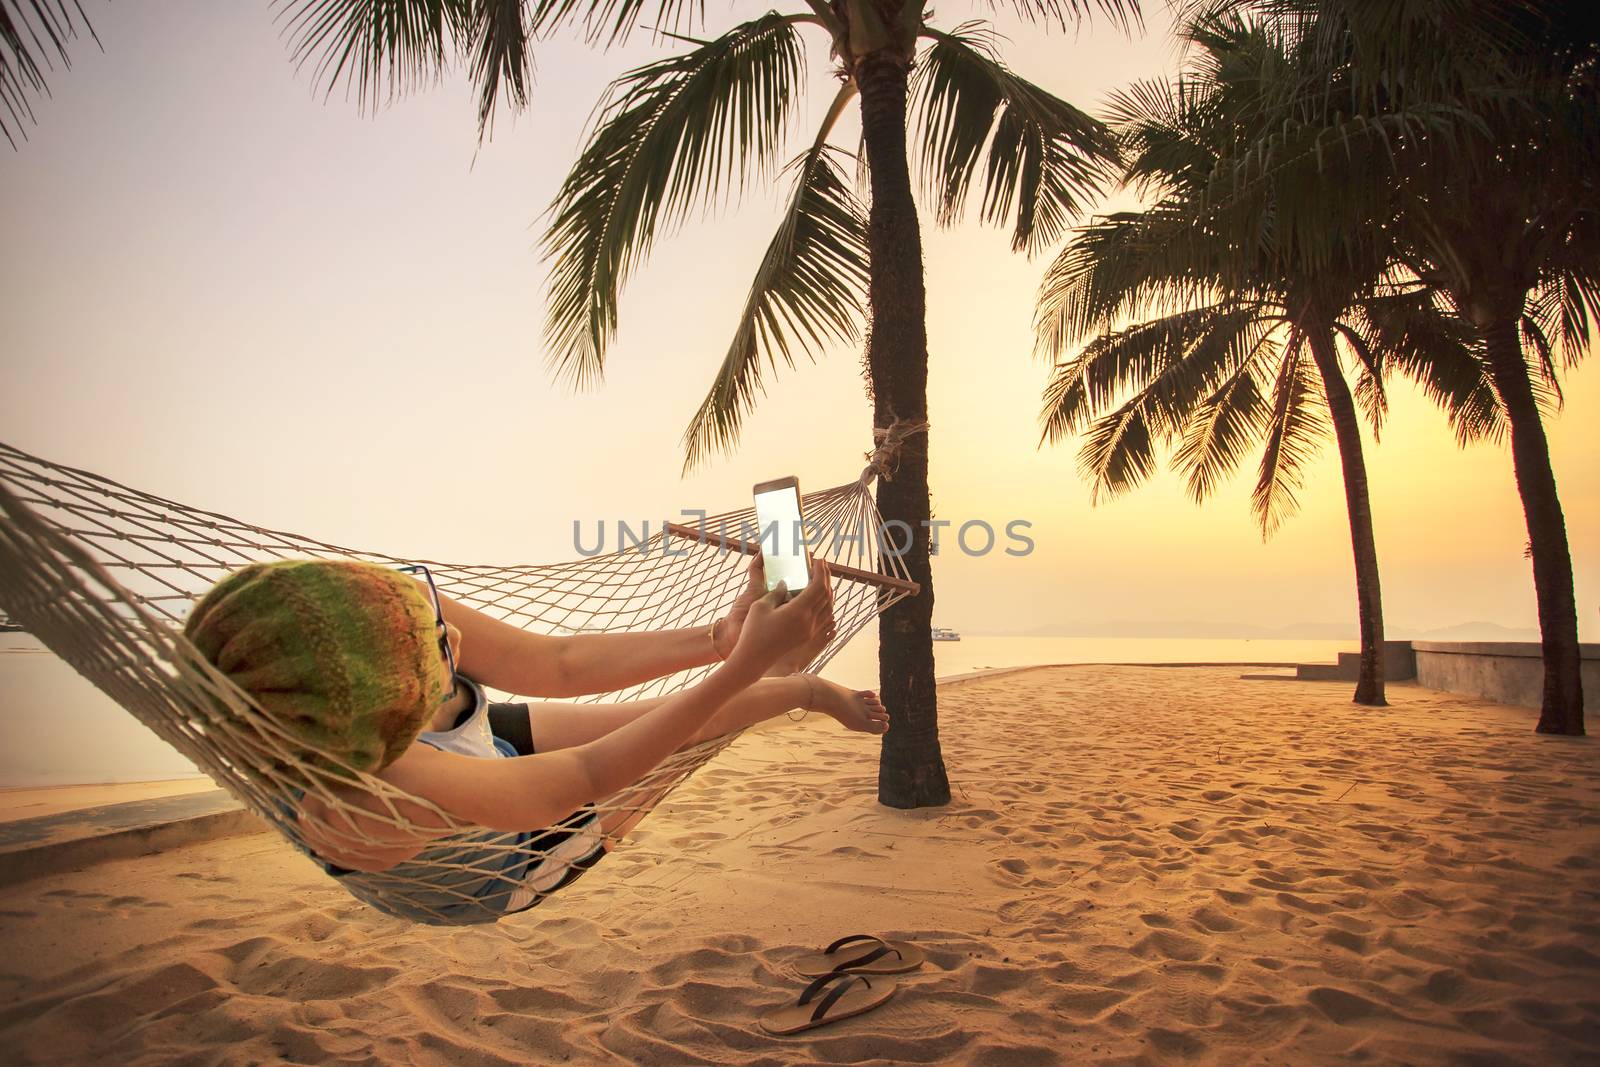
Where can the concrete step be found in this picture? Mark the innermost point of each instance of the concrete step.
(1321, 672)
(52, 843)
(1399, 665)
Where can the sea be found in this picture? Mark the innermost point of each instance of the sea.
(57, 729)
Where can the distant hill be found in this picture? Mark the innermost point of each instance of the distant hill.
(1474, 631)
(1302, 631)
(1299, 631)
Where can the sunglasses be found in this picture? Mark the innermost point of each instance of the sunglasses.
(438, 614)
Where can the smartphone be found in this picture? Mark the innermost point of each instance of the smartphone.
(784, 553)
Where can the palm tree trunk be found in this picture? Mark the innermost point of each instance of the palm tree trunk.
(1561, 711)
(1369, 598)
(911, 768)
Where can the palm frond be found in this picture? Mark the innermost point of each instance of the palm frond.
(1321, 167)
(1580, 314)
(1228, 336)
(382, 49)
(1045, 158)
(1434, 347)
(1156, 122)
(1117, 452)
(810, 290)
(1126, 265)
(1372, 400)
(378, 49)
(1370, 393)
(1565, 306)
(1296, 427)
(1111, 365)
(1192, 378)
(1397, 41)
(1221, 429)
(670, 135)
(34, 36)
(499, 43)
(1170, 364)
(1542, 374)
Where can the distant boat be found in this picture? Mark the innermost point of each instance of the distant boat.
(942, 633)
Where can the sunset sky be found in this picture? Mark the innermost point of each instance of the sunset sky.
(224, 290)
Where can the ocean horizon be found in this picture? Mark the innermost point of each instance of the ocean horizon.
(60, 730)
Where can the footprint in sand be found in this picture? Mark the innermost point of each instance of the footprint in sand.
(1299, 903)
(1017, 867)
(1342, 1006)
(1168, 944)
(1346, 940)
(1187, 830)
(1212, 920)
(1445, 986)
(1086, 1003)
(1180, 1044)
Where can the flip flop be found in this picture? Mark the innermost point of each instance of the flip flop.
(847, 994)
(867, 954)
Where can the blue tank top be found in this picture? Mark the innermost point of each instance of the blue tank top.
(471, 735)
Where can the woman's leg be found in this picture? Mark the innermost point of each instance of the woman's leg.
(559, 725)
(563, 725)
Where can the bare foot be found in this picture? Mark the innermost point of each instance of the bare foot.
(856, 709)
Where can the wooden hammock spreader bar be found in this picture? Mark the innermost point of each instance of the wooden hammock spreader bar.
(751, 548)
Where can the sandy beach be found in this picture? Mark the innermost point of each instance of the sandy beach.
(1140, 865)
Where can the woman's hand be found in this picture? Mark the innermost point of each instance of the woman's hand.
(772, 628)
(725, 635)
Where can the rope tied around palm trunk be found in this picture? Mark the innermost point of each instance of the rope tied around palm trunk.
(884, 460)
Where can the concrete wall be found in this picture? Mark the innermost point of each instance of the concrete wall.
(1508, 672)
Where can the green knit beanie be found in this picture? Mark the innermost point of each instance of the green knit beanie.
(343, 655)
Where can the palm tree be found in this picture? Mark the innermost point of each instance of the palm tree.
(1508, 231)
(681, 131)
(1250, 314)
(1484, 112)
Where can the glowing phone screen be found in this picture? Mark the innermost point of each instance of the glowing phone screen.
(785, 560)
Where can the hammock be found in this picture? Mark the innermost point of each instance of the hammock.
(103, 575)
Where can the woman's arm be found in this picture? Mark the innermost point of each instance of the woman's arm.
(521, 793)
(359, 831)
(532, 792)
(502, 656)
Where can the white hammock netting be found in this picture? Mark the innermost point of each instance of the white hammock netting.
(103, 575)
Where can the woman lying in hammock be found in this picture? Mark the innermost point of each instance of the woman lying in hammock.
(373, 668)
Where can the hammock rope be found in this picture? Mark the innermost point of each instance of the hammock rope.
(103, 576)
